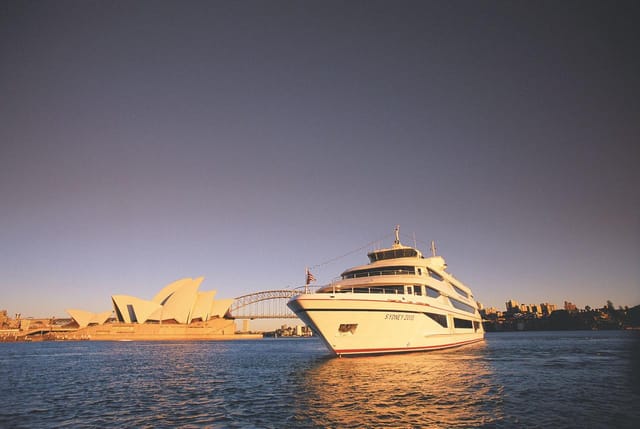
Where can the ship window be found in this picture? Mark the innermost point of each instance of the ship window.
(407, 252)
(462, 306)
(433, 293)
(476, 325)
(385, 289)
(380, 271)
(435, 275)
(462, 323)
(417, 290)
(440, 318)
(392, 289)
(460, 291)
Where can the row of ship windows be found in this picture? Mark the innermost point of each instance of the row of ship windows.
(412, 290)
(438, 277)
(457, 323)
(440, 318)
(392, 254)
(399, 270)
(382, 271)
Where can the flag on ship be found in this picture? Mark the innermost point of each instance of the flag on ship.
(310, 277)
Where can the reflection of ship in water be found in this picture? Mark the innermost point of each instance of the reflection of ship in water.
(400, 302)
(440, 389)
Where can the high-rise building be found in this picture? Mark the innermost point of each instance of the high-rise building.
(512, 305)
(547, 308)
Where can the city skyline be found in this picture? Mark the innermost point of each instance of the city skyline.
(147, 141)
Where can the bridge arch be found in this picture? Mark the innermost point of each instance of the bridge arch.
(268, 304)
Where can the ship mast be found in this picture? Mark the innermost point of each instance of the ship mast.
(396, 242)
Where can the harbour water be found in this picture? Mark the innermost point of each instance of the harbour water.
(580, 379)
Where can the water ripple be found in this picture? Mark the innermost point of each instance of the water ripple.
(510, 380)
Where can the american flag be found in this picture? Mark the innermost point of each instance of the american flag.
(310, 277)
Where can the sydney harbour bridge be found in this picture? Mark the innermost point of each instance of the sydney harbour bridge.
(267, 304)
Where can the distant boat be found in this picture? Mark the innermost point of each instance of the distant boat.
(400, 302)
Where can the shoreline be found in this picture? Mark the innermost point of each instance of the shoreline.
(212, 330)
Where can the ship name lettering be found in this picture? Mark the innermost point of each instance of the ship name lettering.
(391, 316)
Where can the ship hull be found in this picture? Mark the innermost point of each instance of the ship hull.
(356, 324)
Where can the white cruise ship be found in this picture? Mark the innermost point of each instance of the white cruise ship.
(400, 302)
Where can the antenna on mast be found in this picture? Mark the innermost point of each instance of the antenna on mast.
(397, 240)
(433, 248)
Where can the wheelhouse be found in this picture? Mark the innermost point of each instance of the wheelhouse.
(379, 271)
(395, 253)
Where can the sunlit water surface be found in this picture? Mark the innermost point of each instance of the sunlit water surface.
(531, 379)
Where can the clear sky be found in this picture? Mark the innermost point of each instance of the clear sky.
(146, 141)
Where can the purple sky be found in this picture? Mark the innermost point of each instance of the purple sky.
(142, 142)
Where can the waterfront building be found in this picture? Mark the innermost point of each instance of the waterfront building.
(512, 306)
(544, 309)
(490, 310)
(547, 308)
(179, 302)
(179, 311)
(535, 309)
(525, 308)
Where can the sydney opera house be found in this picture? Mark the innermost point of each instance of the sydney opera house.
(178, 311)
